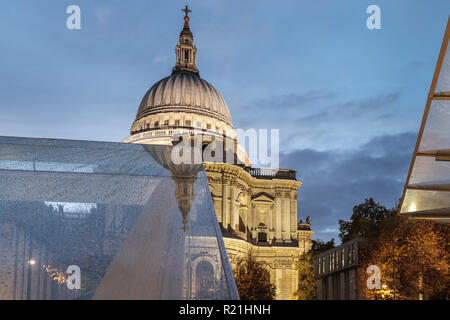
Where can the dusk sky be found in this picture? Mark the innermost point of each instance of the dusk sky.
(348, 100)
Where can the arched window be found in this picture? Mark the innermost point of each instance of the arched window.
(204, 280)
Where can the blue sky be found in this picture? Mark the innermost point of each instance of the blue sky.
(348, 101)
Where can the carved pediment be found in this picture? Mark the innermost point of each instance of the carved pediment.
(263, 197)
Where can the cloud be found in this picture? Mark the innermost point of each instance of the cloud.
(322, 120)
(370, 104)
(335, 180)
(295, 100)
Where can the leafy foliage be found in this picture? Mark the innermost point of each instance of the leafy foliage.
(307, 283)
(252, 279)
(364, 222)
(414, 253)
(319, 246)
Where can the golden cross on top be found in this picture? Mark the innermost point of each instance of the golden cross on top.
(186, 10)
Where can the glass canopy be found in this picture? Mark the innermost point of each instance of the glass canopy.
(97, 220)
(427, 190)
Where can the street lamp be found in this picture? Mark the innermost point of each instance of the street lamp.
(31, 263)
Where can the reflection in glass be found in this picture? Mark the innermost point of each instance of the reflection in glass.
(204, 280)
(137, 227)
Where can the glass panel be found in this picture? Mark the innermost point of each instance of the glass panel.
(435, 135)
(134, 224)
(443, 83)
(427, 190)
(419, 200)
(428, 170)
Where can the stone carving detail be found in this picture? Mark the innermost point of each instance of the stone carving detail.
(215, 180)
(282, 263)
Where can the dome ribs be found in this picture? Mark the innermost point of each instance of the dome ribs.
(168, 94)
(187, 91)
(176, 91)
(198, 93)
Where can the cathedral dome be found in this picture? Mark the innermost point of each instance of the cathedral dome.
(184, 103)
(184, 91)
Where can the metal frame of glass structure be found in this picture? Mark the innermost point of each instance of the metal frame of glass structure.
(426, 194)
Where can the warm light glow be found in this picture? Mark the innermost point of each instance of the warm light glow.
(32, 262)
(412, 207)
(384, 286)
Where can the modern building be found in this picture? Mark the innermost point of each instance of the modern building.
(426, 191)
(337, 272)
(256, 208)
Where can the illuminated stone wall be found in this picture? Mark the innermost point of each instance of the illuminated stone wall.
(251, 209)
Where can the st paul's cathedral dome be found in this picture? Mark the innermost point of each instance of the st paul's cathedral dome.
(185, 92)
(183, 103)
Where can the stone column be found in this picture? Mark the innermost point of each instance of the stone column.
(225, 216)
(245, 218)
(271, 215)
(286, 223)
(293, 216)
(273, 218)
(249, 216)
(217, 205)
(278, 215)
(233, 222)
(254, 221)
(237, 211)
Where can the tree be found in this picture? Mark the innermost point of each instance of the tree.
(318, 246)
(413, 258)
(364, 222)
(253, 280)
(307, 282)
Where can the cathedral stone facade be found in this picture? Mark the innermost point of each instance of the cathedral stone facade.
(256, 208)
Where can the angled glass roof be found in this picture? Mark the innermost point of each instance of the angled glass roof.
(427, 190)
(134, 224)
